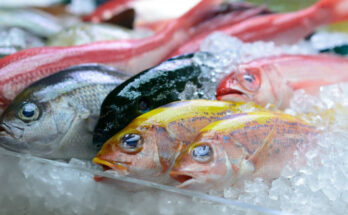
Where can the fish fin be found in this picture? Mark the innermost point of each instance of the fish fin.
(259, 155)
(339, 9)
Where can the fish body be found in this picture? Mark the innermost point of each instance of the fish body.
(55, 117)
(285, 28)
(32, 3)
(274, 79)
(247, 146)
(141, 93)
(35, 21)
(14, 39)
(85, 33)
(147, 147)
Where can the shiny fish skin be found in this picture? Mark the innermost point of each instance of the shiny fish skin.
(55, 117)
(253, 145)
(162, 133)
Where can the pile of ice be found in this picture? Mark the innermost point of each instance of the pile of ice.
(321, 185)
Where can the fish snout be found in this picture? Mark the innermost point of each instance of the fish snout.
(119, 167)
(9, 141)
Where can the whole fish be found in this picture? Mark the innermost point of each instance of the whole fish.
(141, 93)
(247, 146)
(274, 79)
(147, 147)
(15, 39)
(31, 3)
(283, 28)
(55, 117)
(85, 33)
(35, 21)
(24, 67)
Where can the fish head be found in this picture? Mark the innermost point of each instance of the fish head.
(202, 165)
(243, 84)
(134, 151)
(29, 125)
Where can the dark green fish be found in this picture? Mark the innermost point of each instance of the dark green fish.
(55, 116)
(149, 89)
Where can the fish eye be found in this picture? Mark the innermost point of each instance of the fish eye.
(29, 112)
(131, 143)
(202, 153)
(249, 80)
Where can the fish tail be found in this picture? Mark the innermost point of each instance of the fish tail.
(196, 14)
(338, 9)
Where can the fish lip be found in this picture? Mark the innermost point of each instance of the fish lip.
(120, 167)
(233, 94)
(9, 141)
(186, 179)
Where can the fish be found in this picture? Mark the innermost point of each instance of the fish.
(282, 28)
(144, 92)
(31, 3)
(147, 147)
(35, 21)
(275, 79)
(132, 56)
(54, 117)
(227, 152)
(85, 33)
(14, 39)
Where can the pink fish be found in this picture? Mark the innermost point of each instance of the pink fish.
(248, 146)
(281, 28)
(274, 79)
(22, 68)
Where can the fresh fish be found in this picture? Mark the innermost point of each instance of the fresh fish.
(147, 147)
(280, 28)
(247, 146)
(55, 117)
(148, 90)
(34, 21)
(31, 3)
(133, 56)
(15, 39)
(274, 79)
(85, 33)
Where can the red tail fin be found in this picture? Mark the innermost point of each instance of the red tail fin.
(339, 9)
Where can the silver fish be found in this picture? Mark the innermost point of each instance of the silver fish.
(35, 21)
(55, 116)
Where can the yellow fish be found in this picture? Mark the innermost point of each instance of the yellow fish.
(253, 145)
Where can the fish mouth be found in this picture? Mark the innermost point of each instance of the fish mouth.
(185, 179)
(9, 141)
(120, 167)
(233, 94)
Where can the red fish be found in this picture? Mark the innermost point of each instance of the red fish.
(19, 70)
(274, 79)
(281, 28)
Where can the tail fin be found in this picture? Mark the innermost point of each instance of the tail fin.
(338, 9)
(196, 14)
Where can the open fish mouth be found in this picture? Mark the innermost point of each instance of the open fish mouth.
(185, 179)
(112, 165)
(9, 141)
(232, 94)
